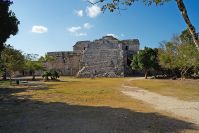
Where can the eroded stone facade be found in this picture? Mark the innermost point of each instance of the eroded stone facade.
(106, 57)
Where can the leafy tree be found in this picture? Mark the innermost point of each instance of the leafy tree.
(167, 55)
(8, 22)
(179, 53)
(12, 59)
(187, 58)
(145, 60)
(32, 64)
(113, 5)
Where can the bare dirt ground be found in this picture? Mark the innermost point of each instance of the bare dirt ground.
(185, 109)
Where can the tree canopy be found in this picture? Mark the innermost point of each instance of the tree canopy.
(12, 60)
(32, 64)
(180, 53)
(8, 22)
(145, 60)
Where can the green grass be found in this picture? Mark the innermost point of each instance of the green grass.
(182, 89)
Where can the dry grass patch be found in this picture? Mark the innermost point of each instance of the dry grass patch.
(182, 89)
(89, 92)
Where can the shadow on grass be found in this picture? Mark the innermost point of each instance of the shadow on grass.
(31, 116)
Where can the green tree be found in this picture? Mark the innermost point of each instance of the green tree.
(8, 22)
(187, 57)
(113, 5)
(145, 60)
(32, 64)
(167, 55)
(13, 60)
(179, 53)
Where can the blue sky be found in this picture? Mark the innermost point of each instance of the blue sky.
(49, 25)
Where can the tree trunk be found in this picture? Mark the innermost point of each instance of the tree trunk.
(191, 28)
(4, 74)
(10, 75)
(146, 74)
(33, 75)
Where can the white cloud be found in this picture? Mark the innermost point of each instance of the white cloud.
(79, 13)
(88, 26)
(77, 31)
(93, 11)
(111, 34)
(74, 29)
(39, 29)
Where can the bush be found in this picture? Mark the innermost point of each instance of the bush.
(54, 75)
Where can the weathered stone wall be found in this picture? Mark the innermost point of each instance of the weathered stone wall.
(102, 58)
(81, 46)
(130, 47)
(105, 57)
(66, 63)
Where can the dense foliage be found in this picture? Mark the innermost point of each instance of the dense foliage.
(54, 75)
(175, 58)
(145, 60)
(8, 22)
(180, 54)
(12, 60)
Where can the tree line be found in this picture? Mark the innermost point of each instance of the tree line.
(175, 58)
(13, 60)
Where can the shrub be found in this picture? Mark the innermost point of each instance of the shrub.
(54, 75)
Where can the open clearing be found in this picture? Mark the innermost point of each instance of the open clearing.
(82, 106)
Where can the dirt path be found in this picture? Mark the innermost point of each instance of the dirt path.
(189, 110)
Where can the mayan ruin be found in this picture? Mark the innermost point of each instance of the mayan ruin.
(105, 57)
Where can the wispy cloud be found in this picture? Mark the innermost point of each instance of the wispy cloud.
(88, 26)
(93, 11)
(39, 29)
(79, 13)
(77, 31)
(74, 29)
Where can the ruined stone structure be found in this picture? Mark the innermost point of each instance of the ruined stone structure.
(106, 57)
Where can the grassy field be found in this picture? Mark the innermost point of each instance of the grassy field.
(89, 92)
(182, 89)
(82, 106)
